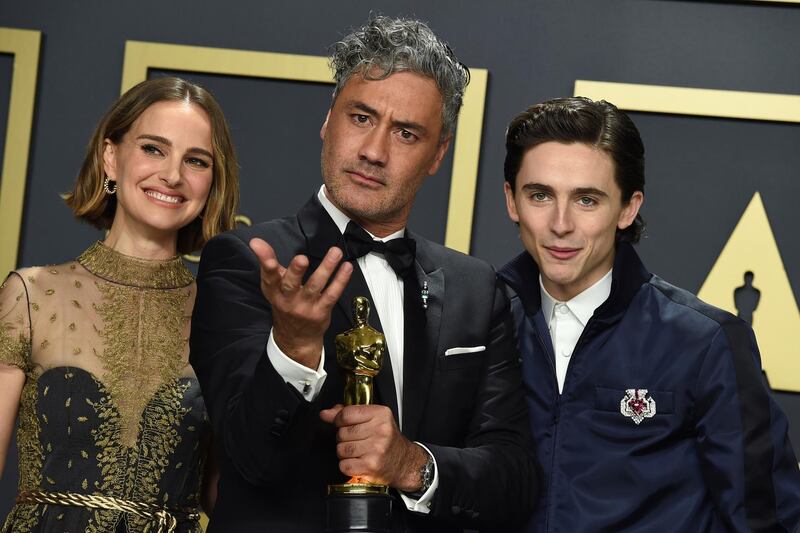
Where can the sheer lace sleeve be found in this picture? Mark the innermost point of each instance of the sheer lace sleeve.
(15, 329)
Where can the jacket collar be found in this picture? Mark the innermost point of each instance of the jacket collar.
(583, 305)
(629, 274)
(319, 228)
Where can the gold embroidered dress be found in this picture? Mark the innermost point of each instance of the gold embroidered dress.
(110, 404)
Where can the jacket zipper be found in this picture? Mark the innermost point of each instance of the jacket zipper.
(556, 417)
(582, 340)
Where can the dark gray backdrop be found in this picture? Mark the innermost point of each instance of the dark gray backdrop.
(702, 172)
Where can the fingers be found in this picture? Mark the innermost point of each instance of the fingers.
(355, 433)
(334, 291)
(328, 415)
(355, 467)
(356, 422)
(364, 458)
(271, 269)
(290, 279)
(353, 449)
(358, 414)
(262, 250)
(353, 415)
(301, 313)
(369, 443)
(293, 277)
(349, 430)
(316, 282)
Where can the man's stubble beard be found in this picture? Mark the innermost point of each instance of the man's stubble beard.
(379, 212)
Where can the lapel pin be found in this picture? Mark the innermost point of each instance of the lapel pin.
(424, 294)
(637, 406)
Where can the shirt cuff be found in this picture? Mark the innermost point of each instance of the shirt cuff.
(308, 382)
(423, 505)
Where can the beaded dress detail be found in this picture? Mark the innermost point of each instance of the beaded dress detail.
(110, 405)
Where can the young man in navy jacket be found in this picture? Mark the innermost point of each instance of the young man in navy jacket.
(647, 405)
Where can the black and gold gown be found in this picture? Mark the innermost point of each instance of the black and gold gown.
(111, 408)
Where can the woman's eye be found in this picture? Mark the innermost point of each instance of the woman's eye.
(151, 149)
(197, 162)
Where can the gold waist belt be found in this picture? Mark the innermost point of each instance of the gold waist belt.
(163, 519)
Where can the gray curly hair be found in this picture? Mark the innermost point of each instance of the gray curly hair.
(387, 45)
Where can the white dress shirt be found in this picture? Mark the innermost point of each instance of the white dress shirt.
(566, 320)
(387, 298)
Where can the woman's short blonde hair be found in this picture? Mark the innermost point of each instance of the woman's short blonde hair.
(89, 201)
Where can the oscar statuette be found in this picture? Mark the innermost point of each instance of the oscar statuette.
(359, 505)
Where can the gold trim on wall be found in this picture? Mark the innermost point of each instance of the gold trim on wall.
(696, 102)
(24, 46)
(140, 56)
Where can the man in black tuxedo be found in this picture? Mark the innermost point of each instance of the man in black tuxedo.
(450, 435)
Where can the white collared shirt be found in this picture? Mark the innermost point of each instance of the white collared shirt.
(386, 289)
(566, 320)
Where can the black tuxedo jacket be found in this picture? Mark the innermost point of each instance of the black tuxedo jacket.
(277, 457)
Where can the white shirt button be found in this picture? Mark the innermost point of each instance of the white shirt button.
(563, 309)
(566, 353)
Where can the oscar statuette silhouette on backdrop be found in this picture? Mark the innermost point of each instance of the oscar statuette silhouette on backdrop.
(746, 298)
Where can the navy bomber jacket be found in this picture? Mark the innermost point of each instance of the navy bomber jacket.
(710, 451)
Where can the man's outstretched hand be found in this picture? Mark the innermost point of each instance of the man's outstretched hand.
(301, 312)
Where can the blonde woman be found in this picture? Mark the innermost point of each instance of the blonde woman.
(93, 353)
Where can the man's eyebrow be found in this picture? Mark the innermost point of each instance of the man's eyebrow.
(578, 191)
(530, 187)
(404, 124)
(167, 142)
(588, 190)
(364, 107)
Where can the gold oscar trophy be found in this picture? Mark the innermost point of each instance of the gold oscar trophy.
(359, 504)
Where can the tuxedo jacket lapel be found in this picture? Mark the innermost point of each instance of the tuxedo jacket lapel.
(319, 229)
(421, 338)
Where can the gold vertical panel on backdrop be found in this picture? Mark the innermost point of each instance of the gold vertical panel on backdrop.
(24, 46)
(751, 246)
(466, 156)
(140, 56)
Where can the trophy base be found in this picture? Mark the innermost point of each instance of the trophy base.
(358, 507)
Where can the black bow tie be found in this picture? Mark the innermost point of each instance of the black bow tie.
(399, 253)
